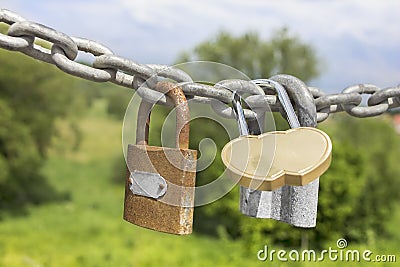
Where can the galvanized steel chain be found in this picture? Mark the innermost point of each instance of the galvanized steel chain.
(23, 36)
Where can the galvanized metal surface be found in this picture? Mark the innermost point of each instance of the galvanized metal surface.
(237, 107)
(283, 99)
(296, 205)
(107, 66)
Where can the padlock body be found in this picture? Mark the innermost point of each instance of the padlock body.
(172, 212)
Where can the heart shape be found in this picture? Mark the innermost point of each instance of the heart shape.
(271, 160)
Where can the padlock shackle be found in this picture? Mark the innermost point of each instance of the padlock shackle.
(238, 110)
(302, 98)
(175, 92)
(283, 99)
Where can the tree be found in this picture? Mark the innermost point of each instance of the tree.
(20, 162)
(33, 95)
(257, 58)
(376, 144)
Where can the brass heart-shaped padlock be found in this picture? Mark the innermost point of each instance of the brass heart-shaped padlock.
(271, 160)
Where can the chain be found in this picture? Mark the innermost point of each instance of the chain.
(22, 36)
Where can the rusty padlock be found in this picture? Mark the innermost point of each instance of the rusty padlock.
(159, 190)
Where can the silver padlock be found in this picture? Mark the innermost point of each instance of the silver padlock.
(296, 205)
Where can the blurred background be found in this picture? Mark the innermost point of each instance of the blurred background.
(61, 165)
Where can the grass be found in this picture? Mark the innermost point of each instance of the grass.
(88, 230)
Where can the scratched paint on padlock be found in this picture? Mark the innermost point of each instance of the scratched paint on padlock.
(147, 184)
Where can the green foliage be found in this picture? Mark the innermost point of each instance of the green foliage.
(216, 212)
(118, 101)
(20, 162)
(37, 92)
(120, 170)
(340, 192)
(32, 96)
(257, 58)
(377, 143)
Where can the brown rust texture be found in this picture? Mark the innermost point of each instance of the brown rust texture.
(173, 212)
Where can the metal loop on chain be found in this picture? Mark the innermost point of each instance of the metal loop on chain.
(263, 101)
(152, 96)
(10, 17)
(82, 70)
(126, 80)
(240, 86)
(126, 65)
(199, 99)
(337, 99)
(14, 43)
(28, 28)
(78, 69)
(170, 72)
(368, 111)
(9, 42)
(324, 113)
(92, 47)
(302, 98)
(283, 99)
(316, 92)
(392, 95)
(204, 90)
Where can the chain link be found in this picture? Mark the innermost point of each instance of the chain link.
(24, 36)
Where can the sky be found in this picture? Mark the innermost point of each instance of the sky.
(358, 41)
